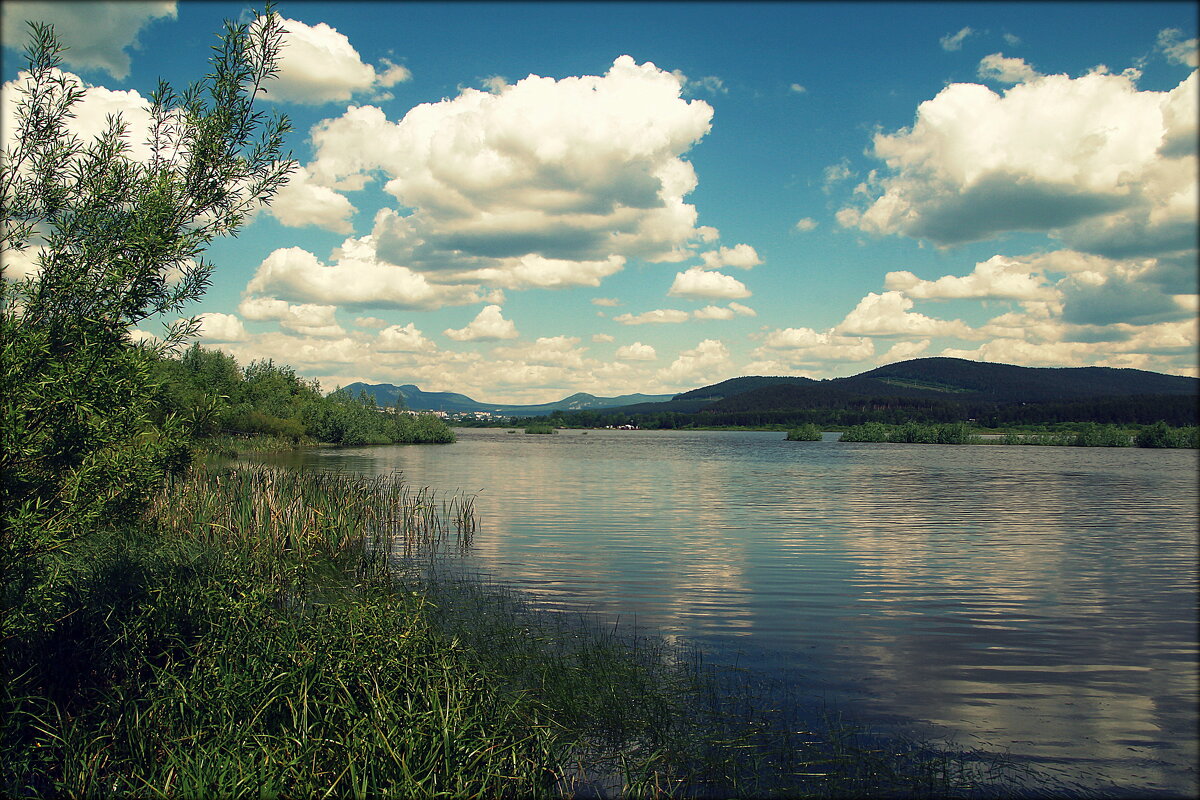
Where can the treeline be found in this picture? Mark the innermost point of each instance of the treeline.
(212, 395)
(844, 411)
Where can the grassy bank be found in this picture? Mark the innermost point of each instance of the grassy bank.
(249, 638)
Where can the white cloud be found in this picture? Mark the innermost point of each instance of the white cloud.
(713, 312)
(1012, 40)
(406, 339)
(797, 88)
(89, 115)
(357, 278)
(317, 64)
(954, 41)
(903, 351)
(807, 346)
(544, 183)
(888, 314)
(97, 35)
(488, 325)
(307, 319)
(707, 362)
(217, 327)
(374, 323)
(697, 282)
(602, 338)
(806, 224)
(1177, 49)
(605, 301)
(998, 277)
(303, 202)
(663, 315)
(742, 256)
(997, 67)
(744, 311)
(636, 352)
(710, 84)
(1106, 167)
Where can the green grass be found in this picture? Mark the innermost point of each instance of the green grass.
(274, 633)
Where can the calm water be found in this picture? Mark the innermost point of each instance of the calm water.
(1037, 600)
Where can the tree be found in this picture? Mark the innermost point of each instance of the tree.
(118, 240)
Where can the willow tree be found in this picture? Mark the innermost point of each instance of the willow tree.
(115, 237)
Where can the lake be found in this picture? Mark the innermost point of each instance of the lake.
(1035, 600)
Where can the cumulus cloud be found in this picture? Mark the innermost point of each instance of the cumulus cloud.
(998, 277)
(98, 35)
(742, 256)
(489, 325)
(307, 319)
(303, 202)
(713, 312)
(888, 314)
(1105, 167)
(317, 64)
(605, 301)
(90, 113)
(406, 339)
(807, 346)
(698, 282)
(903, 351)
(742, 310)
(707, 362)
(996, 67)
(636, 352)
(954, 41)
(357, 278)
(218, 327)
(602, 338)
(663, 315)
(806, 224)
(544, 182)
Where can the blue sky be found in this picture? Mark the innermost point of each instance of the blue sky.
(687, 192)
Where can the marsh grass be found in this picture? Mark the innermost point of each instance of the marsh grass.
(274, 633)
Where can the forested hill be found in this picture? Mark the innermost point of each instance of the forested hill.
(936, 389)
(1009, 383)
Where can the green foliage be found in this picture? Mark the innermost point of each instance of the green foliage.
(867, 432)
(805, 433)
(539, 427)
(212, 395)
(1161, 435)
(912, 433)
(115, 241)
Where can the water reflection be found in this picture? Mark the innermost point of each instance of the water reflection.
(1038, 599)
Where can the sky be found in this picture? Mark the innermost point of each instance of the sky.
(522, 201)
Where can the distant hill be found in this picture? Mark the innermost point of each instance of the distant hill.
(418, 400)
(943, 389)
